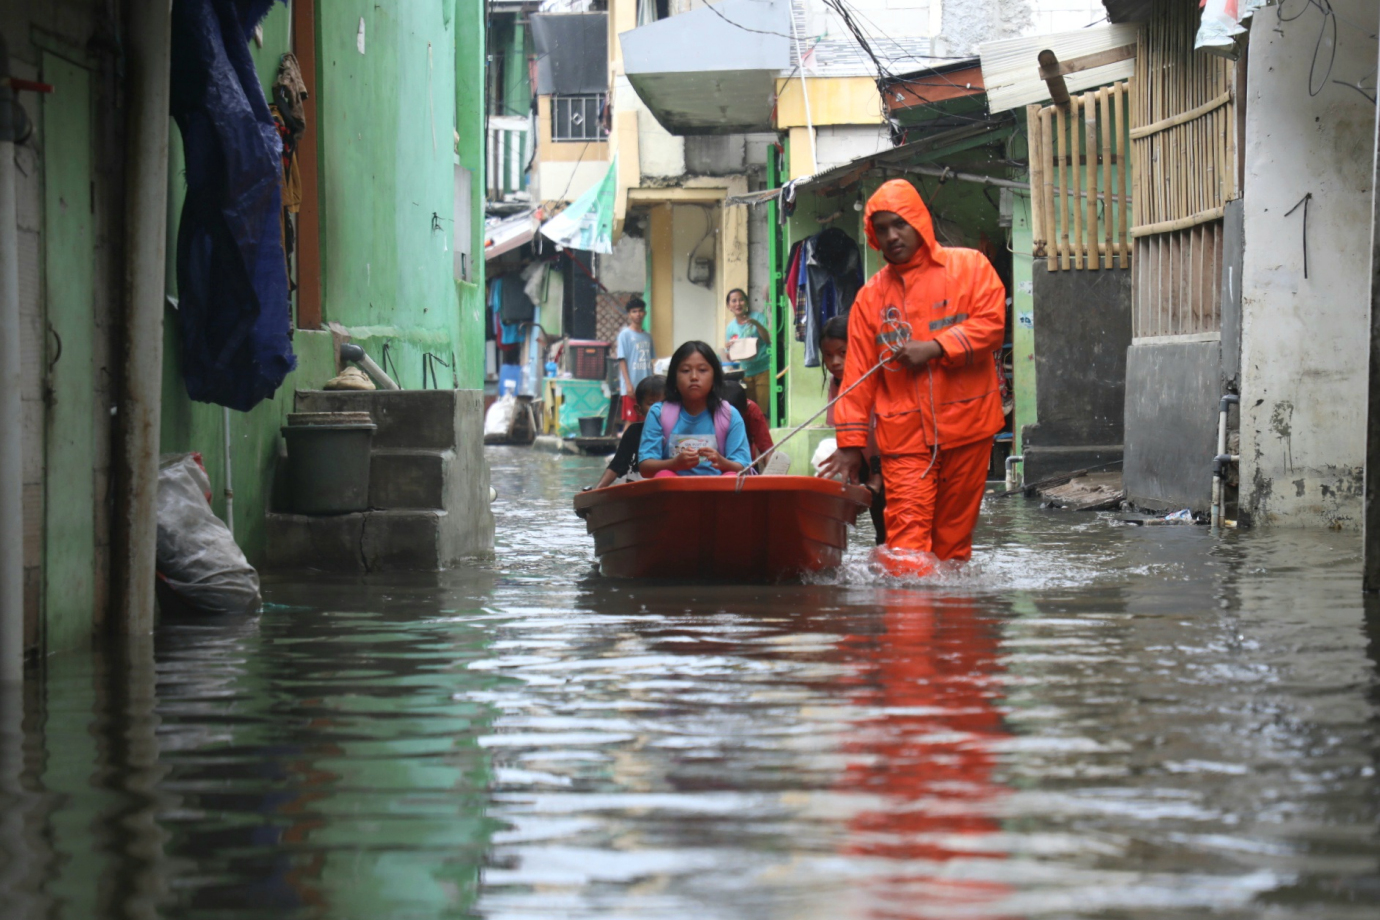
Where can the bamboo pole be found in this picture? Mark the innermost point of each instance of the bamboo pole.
(1104, 99)
(1047, 192)
(1077, 182)
(1061, 186)
(1038, 167)
(1090, 116)
(1123, 147)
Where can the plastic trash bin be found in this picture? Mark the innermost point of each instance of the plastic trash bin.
(328, 461)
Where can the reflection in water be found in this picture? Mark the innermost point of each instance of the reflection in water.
(926, 686)
(1093, 721)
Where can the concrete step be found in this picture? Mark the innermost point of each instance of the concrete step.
(413, 479)
(371, 541)
(406, 419)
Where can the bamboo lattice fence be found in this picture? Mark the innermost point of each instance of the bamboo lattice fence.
(1184, 171)
(1078, 180)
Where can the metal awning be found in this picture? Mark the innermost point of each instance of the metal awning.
(912, 157)
(711, 70)
(508, 233)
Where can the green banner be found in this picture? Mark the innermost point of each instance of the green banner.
(587, 223)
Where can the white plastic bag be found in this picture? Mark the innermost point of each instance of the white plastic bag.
(826, 449)
(197, 555)
(498, 421)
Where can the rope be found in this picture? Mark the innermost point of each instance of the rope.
(896, 333)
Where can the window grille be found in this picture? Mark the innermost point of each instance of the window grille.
(578, 118)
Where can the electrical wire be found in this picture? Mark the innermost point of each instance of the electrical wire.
(738, 25)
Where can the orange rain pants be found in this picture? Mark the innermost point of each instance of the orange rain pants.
(935, 514)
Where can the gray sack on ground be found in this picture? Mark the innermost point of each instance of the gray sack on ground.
(196, 552)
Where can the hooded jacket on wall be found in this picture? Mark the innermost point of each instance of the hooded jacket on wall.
(946, 294)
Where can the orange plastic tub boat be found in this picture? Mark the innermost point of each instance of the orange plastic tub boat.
(707, 527)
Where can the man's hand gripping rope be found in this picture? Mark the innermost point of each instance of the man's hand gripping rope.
(895, 333)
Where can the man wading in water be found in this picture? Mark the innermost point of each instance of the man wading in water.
(938, 402)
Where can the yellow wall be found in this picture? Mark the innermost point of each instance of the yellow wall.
(550, 151)
(663, 329)
(833, 101)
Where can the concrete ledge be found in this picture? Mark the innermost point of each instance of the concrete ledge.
(1046, 462)
(416, 419)
(408, 478)
(404, 541)
(328, 543)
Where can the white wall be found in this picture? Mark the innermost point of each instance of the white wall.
(660, 153)
(695, 309)
(624, 271)
(558, 180)
(1304, 341)
(836, 145)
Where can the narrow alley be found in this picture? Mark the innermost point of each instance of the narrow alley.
(689, 460)
(1096, 721)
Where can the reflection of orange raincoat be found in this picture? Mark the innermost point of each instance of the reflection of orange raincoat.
(952, 296)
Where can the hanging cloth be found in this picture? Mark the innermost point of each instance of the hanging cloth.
(233, 310)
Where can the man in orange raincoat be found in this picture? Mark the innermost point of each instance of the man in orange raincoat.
(938, 401)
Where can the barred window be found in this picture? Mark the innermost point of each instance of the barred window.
(576, 118)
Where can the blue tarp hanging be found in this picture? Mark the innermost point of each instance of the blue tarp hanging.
(231, 271)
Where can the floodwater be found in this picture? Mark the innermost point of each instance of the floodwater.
(1093, 721)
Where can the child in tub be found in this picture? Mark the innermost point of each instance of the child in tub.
(833, 347)
(701, 434)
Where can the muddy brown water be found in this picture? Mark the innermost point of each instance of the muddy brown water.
(1092, 721)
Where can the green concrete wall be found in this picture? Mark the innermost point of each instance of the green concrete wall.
(388, 154)
(1023, 319)
(387, 179)
(470, 151)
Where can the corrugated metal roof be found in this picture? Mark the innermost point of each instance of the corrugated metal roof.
(1012, 73)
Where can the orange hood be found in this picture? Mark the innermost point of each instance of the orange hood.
(900, 196)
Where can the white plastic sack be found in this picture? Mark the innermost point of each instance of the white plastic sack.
(197, 555)
(498, 421)
(826, 449)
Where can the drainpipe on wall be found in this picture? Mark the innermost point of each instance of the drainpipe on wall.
(11, 411)
(1222, 460)
(139, 406)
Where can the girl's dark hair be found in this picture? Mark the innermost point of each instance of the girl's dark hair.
(732, 392)
(649, 385)
(835, 328)
(672, 372)
(746, 299)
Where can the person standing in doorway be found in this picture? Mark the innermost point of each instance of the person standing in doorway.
(633, 351)
(749, 325)
(941, 311)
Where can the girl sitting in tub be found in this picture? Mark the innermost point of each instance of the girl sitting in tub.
(693, 432)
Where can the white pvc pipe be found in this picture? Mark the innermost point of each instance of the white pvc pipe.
(11, 412)
(139, 411)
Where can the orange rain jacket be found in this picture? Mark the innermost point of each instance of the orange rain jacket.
(947, 294)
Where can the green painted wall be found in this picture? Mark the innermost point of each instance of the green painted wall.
(470, 150)
(1023, 318)
(277, 33)
(69, 505)
(387, 179)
